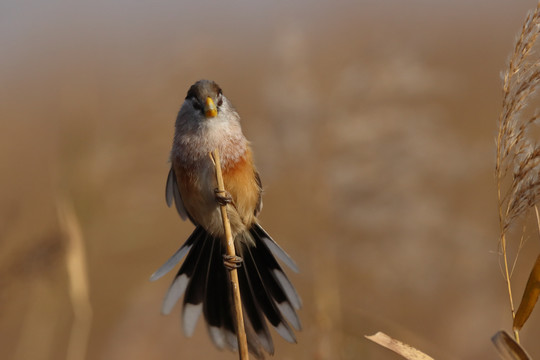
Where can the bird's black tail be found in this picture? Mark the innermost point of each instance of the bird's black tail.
(265, 289)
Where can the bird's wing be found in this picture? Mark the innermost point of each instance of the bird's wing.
(259, 205)
(172, 192)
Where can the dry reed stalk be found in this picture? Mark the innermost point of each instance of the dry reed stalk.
(516, 153)
(508, 349)
(327, 301)
(79, 288)
(406, 351)
(530, 296)
(240, 330)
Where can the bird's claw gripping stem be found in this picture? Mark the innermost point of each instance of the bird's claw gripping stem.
(232, 261)
(223, 197)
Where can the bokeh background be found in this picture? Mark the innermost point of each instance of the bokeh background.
(373, 125)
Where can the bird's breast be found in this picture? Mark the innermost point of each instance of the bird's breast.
(197, 184)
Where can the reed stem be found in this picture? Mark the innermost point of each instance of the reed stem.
(240, 330)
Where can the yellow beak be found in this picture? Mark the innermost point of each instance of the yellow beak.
(210, 109)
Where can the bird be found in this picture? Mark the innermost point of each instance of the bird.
(206, 121)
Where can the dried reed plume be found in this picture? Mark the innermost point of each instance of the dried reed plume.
(518, 157)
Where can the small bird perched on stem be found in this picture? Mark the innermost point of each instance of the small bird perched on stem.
(208, 121)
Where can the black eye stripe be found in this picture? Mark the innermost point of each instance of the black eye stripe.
(196, 104)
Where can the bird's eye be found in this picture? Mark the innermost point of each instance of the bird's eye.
(219, 100)
(196, 105)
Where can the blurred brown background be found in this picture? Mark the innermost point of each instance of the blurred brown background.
(373, 124)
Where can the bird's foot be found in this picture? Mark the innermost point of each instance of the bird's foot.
(223, 197)
(232, 261)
